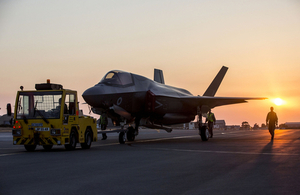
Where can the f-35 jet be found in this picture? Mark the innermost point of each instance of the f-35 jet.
(133, 99)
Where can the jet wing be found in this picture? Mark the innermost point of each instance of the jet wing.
(212, 102)
(192, 102)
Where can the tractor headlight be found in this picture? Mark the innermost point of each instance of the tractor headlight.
(55, 132)
(16, 132)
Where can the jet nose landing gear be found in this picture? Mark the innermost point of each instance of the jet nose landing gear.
(122, 137)
(130, 134)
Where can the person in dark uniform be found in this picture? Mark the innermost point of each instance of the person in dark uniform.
(272, 121)
(103, 123)
(65, 107)
(211, 119)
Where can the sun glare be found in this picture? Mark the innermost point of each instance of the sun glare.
(278, 101)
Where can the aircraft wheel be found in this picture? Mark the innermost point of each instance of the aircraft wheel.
(72, 143)
(47, 147)
(204, 133)
(130, 134)
(88, 140)
(122, 138)
(30, 148)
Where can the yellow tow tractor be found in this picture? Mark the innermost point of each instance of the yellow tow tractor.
(50, 116)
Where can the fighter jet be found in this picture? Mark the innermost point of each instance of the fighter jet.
(133, 99)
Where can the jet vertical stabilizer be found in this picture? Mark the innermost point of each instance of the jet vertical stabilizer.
(214, 86)
(159, 76)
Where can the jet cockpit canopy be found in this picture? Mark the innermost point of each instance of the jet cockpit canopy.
(117, 77)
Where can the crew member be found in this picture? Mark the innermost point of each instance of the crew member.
(59, 106)
(103, 124)
(211, 119)
(272, 122)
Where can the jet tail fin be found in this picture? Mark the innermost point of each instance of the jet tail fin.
(159, 76)
(214, 86)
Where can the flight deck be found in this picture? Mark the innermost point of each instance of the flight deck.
(233, 162)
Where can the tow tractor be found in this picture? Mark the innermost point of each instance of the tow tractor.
(50, 116)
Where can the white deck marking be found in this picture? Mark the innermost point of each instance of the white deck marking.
(9, 154)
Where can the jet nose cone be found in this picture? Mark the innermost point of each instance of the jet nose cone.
(89, 92)
(91, 96)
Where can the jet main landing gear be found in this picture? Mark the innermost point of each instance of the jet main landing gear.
(132, 132)
(204, 133)
(122, 137)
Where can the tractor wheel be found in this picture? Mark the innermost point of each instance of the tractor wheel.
(88, 140)
(72, 143)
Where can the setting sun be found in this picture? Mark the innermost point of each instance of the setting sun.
(278, 101)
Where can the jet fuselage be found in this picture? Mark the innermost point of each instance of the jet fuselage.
(130, 95)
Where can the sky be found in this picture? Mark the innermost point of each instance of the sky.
(75, 43)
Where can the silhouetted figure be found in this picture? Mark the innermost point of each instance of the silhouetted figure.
(65, 107)
(103, 123)
(211, 120)
(271, 122)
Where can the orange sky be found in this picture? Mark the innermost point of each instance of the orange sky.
(76, 42)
